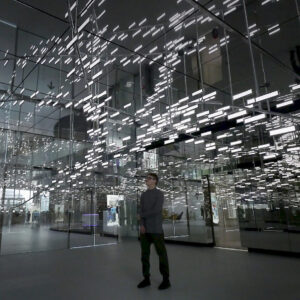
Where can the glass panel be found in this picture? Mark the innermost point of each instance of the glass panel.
(226, 225)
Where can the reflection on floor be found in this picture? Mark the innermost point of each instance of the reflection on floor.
(201, 233)
(112, 272)
(30, 238)
(227, 237)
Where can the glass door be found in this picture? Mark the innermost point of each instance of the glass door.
(224, 208)
(92, 215)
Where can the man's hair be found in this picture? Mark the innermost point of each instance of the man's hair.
(154, 175)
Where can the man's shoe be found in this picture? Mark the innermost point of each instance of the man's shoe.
(144, 283)
(164, 285)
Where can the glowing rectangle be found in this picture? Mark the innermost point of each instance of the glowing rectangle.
(83, 24)
(282, 130)
(237, 114)
(255, 118)
(197, 93)
(242, 94)
(266, 96)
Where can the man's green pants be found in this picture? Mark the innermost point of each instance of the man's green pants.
(158, 240)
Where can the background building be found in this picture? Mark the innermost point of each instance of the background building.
(94, 94)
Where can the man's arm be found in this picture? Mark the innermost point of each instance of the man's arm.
(142, 223)
(156, 209)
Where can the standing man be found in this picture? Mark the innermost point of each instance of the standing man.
(151, 231)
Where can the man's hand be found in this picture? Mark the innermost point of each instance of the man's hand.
(142, 229)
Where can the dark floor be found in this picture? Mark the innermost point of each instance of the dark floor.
(112, 272)
(29, 238)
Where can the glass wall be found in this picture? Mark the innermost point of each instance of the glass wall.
(205, 93)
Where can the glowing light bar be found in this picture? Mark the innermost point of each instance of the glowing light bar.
(208, 96)
(204, 113)
(199, 142)
(183, 99)
(94, 63)
(243, 94)
(296, 87)
(286, 103)
(235, 143)
(267, 96)
(161, 16)
(83, 24)
(75, 38)
(273, 155)
(189, 141)
(169, 141)
(197, 93)
(237, 114)
(282, 130)
(255, 118)
(223, 148)
(206, 133)
(97, 75)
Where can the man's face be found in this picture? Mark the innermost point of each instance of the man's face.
(150, 181)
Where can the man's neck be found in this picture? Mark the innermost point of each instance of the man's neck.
(151, 187)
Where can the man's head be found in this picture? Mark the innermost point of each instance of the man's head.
(151, 180)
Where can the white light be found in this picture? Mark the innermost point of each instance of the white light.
(161, 16)
(270, 156)
(293, 149)
(138, 48)
(243, 94)
(296, 87)
(235, 143)
(115, 114)
(230, 11)
(97, 75)
(267, 96)
(98, 96)
(153, 49)
(282, 130)
(203, 121)
(236, 150)
(183, 99)
(210, 148)
(189, 141)
(206, 133)
(237, 114)
(197, 93)
(126, 63)
(204, 113)
(255, 118)
(95, 63)
(169, 141)
(208, 96)
(136, 33)
(286, 103)
(83, 24)
(72, 42)
(127, 138)
(189, 113)
(199, 142)
(223, 148)
(275, 31)
(265, 2)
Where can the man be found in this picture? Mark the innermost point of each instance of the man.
(151, 231)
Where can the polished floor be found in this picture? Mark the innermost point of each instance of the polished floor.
(32, 238)
(112, 272)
